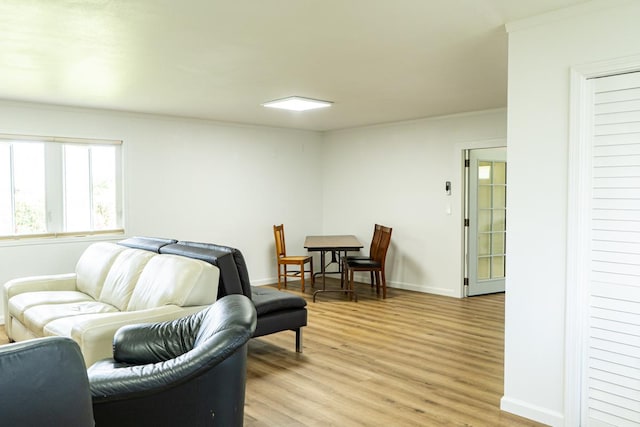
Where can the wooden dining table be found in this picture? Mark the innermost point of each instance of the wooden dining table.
(338, 245)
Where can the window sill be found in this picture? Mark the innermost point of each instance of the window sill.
(61, 238)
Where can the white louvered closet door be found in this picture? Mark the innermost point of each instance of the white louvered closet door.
(613, 348)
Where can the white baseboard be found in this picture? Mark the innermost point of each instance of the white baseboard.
(424, 289)
(262, 282)
(364, 279)
(532, 412)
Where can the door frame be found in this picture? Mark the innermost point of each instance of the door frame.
(578, 203)
(459, 171)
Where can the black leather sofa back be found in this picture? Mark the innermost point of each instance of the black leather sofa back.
(44, 382)
(234, 276)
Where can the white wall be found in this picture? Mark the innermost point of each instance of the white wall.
(187, 179)
(395, 175)
(541, 53)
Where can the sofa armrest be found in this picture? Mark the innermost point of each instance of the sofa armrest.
(111, 380)
(54, 282)
(95, 333)
(144, 343)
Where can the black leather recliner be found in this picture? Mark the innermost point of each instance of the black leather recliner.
(186, 372)
(44, 382)
(277, 311)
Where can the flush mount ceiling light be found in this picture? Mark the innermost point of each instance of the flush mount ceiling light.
(297, 103)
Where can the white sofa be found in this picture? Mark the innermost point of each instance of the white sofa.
(112, 286)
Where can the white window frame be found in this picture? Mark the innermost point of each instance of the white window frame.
(54, 186)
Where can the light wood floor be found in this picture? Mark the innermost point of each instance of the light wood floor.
(411, 360)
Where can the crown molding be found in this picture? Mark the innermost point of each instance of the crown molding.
(564, 13)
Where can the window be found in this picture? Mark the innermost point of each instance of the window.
(59, 186)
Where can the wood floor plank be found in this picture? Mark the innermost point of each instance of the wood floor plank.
(413, 359)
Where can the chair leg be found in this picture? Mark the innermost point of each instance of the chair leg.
(278, 276)
(302, 276)
(371, 277)
(384, 285)
(351, 285)
(299, 340)
(313, 280)
(378, 279)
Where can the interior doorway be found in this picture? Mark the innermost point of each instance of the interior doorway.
(485, 200)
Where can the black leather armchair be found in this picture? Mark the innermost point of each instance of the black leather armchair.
(186, 372)
(277, 311)
(44, 382)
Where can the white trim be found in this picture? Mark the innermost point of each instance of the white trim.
(532, 412)
(564, 13)
(578, 214)
(578, 198)
(417, 120)
(60, 139)
(447, 292)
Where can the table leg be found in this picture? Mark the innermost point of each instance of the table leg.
(336, 257)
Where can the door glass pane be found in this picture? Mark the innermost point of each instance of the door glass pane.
(499, 196)
(484, 244)
(484, 197)
(484, 172)
(484, 268)
(497, 267)
(499, 173)
(484, 220)
(497, 244)
(6, 216)
(29, 189)
(499, 220)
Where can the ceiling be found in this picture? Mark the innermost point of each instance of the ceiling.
(377, 60)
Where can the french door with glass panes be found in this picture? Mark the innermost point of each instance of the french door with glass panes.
(487, 210)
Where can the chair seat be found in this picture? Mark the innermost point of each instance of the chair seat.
(294, 259)
(356, 257)
(363, 263)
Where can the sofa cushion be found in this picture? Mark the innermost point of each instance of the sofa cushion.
(268, 300)
(173, 279)
(123, 276)
(220, 256)
(240, 267)
(21, 302)
(93, 266)
(37, 317)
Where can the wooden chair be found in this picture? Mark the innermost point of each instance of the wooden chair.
(375, 242)
(284, 260)
(375, 264)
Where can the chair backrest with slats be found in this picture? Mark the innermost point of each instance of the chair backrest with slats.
(375, 240)
(278, 233)
(383, 245)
